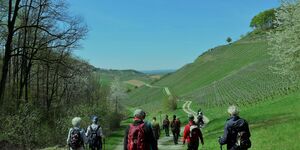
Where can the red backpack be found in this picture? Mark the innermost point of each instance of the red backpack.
(76, 140)
(136, 137)
(175, 125)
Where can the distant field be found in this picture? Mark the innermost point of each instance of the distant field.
(136, 83)
(107, 76)
(156, 76)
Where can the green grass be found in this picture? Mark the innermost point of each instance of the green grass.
(117, 136)
(274, 124)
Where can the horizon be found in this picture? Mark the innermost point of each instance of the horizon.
(154, 35)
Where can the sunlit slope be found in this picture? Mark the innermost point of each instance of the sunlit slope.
(214, 65)
(235, 73)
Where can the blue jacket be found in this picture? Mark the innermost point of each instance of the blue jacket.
(230, 136)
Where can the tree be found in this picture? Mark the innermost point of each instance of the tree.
(229, 40)
(36, 29)
(12, 13)
(117, 93)
(264, 20)
(170, 103)
(40, 74)
(284, 40)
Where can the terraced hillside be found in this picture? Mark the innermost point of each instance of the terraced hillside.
(238, 72)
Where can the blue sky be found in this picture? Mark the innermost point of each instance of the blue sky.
(160, 34)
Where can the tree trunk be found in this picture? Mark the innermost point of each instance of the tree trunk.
(8, 48)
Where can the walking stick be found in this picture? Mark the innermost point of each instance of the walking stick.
(103, 144)
(220, 144)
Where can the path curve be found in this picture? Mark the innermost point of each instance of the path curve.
(166, 143)
(186, 108)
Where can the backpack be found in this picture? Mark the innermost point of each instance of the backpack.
(95, 139)
(241, 129)
(156, 130)
(194, 133)
(76, 140)
(166, 123)
(175, 125)
(136, 137)
(200, 121)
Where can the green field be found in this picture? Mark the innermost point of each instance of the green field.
(237, 73)
(108, 75)
(274, 124)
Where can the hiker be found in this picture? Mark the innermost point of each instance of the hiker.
(166, 125)
(139, 135)
(192, 134)
(156, 128)
(95, 135)
(200, 121)
(236, 132)
(175, 128)
(76, 137)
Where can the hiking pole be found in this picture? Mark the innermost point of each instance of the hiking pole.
(103, 143)
(220, 144)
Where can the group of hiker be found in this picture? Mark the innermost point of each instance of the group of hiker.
(78, 138)
(144, 135)
(175, 127)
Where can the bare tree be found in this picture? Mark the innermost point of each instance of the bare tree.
(43, 26)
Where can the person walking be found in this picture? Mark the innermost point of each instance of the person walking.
(139, 134)
(200, 121)
(76, 136)
(156, 128)
(166, 125)
(175, 127)
(192, 134)
(236, 131)
(95, 135)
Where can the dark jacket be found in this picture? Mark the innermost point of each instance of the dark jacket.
(230, 135)
(149, 135)
(166, 123)
(156, 129)
(175, 125)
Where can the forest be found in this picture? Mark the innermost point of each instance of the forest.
(43, 85)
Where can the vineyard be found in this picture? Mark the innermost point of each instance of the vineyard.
(249, 85)
(234, 73)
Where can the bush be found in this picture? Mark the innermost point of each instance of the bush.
(114, 120)
(170, 103)
(22, 128)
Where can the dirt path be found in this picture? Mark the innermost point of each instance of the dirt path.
(166, 143)
(186, 108)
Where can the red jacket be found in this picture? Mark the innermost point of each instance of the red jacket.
(186, 133)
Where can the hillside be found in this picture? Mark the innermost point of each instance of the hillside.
(238, 72)
(130, 77)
